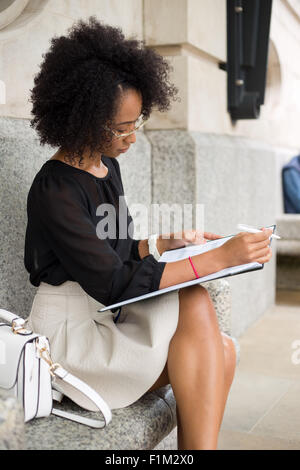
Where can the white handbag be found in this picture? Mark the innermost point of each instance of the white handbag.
(27, 372)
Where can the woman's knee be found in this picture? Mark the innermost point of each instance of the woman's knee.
(193, 295)
(196, 307)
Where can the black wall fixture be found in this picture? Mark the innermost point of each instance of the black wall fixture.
(248, 28)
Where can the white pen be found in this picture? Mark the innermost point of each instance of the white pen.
(246, 228)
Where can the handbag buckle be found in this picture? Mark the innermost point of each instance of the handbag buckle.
(45, 355)
(17, 327)
(53, 367)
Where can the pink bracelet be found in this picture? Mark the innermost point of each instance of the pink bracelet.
(193, 267)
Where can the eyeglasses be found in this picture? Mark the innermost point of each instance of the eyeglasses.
(140, 122)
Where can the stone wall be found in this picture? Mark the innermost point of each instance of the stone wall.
(192, 154)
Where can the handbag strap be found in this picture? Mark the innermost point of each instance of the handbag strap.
(88, 392)
(58, 371)
(10, 317)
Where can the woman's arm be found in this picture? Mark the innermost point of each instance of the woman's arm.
(143, 248)
(182, 271)
(242, 249)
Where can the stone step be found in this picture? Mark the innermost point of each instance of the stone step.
(288, 272)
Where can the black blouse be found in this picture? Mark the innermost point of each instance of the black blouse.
(62, 242)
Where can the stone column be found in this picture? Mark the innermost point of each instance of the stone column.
(195, 160)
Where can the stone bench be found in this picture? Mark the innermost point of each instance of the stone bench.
(11, 423)
(288, 252)
(288, 227)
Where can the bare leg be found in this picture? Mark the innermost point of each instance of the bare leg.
(200, 368)
(230, 365)
(196, 368)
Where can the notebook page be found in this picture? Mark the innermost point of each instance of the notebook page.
(192, 250)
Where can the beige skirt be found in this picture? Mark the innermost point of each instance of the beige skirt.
(121, 360)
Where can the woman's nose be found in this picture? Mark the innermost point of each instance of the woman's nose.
(130, 139)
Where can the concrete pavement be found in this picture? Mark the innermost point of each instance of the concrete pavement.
(263, 407)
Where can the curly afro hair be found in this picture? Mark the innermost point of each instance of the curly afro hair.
(77, 89)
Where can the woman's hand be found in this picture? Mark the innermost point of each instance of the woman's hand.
(211, 236)
(246, 248)
(181, 239)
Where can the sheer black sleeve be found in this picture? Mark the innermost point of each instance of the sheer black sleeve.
(71, 234)
(135, 250)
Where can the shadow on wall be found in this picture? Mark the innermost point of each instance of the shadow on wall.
(10, 10)
(14, 14)
(273, 80)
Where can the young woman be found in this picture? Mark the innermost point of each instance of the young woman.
(94, 90)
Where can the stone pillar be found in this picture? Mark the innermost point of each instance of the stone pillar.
(21, 158)
(198, 157)
(232, 178)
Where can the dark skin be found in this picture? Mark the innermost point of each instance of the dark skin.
(201, 359)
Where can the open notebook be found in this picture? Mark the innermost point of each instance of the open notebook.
(191, 250)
